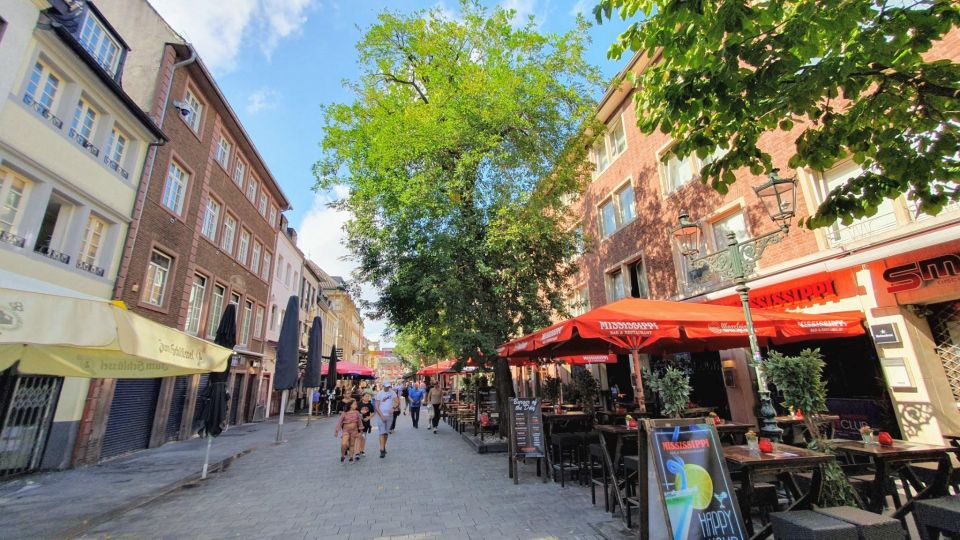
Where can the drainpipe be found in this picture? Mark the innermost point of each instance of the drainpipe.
(132, 239)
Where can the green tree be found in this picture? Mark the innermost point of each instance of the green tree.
(464, 143)
(857, 75)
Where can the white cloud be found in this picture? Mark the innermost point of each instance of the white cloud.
(218, 30)
(262, 99)
(524, 9)
(584, 7)
(320, 237)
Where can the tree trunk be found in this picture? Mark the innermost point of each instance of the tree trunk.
(504, 384)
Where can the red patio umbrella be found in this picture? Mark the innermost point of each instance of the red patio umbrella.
(349, 368)
(638, 325)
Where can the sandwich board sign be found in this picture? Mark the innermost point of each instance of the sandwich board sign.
(690, 496)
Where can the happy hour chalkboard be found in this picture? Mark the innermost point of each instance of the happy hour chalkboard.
(690, 483)
(527, 427)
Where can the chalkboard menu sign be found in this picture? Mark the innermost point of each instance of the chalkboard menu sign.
(692, 497)
(527, 427)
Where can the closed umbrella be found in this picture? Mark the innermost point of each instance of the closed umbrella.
(288, 357)
(331, 376)
(214, 411)
(311, 376)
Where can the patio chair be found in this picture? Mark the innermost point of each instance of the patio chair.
(869, 526)
(810, 525)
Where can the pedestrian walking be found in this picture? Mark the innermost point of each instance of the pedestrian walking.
(348, 429)
(415, 395)
(406, 397)
(366, 416)
(383, 404)
(397, 406)
(435, 399)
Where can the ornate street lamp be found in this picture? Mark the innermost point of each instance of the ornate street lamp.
(737, 262)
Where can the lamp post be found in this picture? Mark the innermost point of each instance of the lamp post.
(737, 261)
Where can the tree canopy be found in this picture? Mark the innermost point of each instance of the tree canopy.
(856, 77)
(466, 139)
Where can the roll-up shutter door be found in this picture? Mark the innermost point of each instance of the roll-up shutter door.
(131, 416)
(177, 401)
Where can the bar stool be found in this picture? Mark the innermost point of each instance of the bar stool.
(565, 447)
(596, 457)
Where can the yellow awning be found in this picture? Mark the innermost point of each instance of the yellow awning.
(55, 331)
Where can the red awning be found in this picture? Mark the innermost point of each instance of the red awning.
(662, 326)
(349, 368)
(444, 366)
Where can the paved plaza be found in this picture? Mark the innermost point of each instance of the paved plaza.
(428, 486)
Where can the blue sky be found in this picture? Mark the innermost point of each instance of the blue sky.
(278, 61)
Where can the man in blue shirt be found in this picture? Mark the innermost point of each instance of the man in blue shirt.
(415, 394)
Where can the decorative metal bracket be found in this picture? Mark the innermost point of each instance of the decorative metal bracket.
(724, 263)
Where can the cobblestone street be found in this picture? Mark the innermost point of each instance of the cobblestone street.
(428, 486)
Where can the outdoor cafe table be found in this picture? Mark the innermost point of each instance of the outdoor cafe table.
(792, 424)
(898, 458)
(783, 461)
(734, 431)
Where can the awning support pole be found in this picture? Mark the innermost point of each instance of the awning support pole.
(641, 400)
(283, 409)
(206, 458)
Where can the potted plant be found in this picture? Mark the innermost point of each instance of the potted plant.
(866, 433)
(587, 390)
(551, 389)
(673, 387)
(800, 380)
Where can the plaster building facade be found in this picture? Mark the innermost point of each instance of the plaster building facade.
(72, 147)
(204, 235)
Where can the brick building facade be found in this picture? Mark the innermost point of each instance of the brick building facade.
(204, 236)
(635, 197)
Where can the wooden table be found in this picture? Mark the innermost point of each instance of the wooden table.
(694, 412)
(619, 433)
(793, 424)
(734, 431)
(897, 458)
(784, 461)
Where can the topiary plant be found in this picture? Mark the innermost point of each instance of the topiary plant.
(587, 389)
(800, 380)
(551, 389)
(673, 387)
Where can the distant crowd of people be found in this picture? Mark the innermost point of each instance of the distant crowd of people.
(362, 407)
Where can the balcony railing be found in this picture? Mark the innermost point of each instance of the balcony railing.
(9, 238)
(82, 141)
(87, 267)
(116, 167)
(53, 254)
(701, 280)
(43, 111)
(862, 228)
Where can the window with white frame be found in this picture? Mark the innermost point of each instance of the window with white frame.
(601, 158)
(239, 172)
(245, 327)
(96, 39)
(735, 223)
(211, 219)
(287, 278)
(223, 152)
(216, 309)
(235, 300)
(175, 190)
(618, 210)
(579, 242)
(255, 258)
(884, 220)
(252, 186)
(273, 318)
(258, 323)
(616, 288)
(196, 111)
(263, 203)
(273, 216)
(635, 280)
(618, 139)
(198, 291)
(158, 275)
(244, 247)
(609, 146)
(677, 172)
(265, 269)
(84, 122)
(579, 302)
(116, 146)
(229, 233)
(12, 193)
(92, 240)
(42, 88)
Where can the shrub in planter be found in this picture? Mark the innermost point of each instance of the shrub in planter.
(800, 380)
(587, 389)
(551, 389)
(673, 387)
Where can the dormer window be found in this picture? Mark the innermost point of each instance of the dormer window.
(96, 39)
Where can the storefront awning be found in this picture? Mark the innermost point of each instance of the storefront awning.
(50, 330)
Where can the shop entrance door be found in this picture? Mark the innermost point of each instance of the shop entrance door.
(27, 404)
(944, 322)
